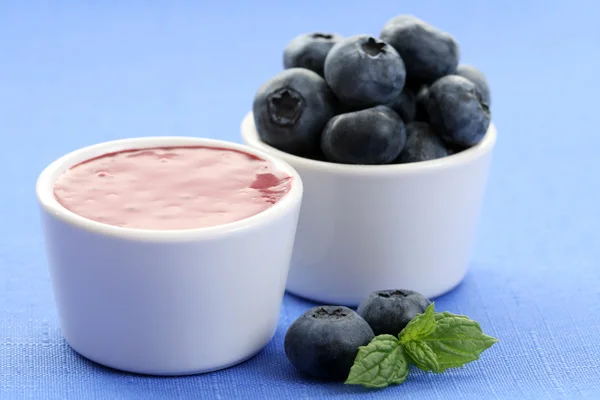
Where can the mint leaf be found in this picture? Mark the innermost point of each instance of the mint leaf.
(422, 356)
(420, 326)
(455, 341)
(458, 340)
(379, 364)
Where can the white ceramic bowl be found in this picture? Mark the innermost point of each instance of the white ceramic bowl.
(366, 228)
(168, 302)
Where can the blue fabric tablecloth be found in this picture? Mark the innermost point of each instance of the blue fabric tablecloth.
(77, 73)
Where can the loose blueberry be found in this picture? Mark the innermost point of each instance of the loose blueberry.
(364, 71)
(291, 109)
(309, 51)
(457, 111)
(420, 104)
(422, 144)
(324, 341)
(478, 78)
(428, 52)
(405, 105)
(372, 136)
(389, 311)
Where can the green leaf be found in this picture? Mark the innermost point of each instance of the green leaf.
(455, 341)
(422, 356)
(458, 340)
(420, 326)
(379, 364)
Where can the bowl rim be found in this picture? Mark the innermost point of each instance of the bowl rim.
(467, 156)
(49, 204)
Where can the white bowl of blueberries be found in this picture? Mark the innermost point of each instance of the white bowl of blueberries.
(393, 140)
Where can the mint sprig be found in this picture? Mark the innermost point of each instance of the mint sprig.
(432, 341)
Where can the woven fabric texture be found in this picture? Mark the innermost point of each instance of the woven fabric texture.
(77, 73)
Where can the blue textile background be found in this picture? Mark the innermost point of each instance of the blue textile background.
(76, 73)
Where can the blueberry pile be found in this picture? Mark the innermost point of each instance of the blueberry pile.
(323, 342)
(401, 97)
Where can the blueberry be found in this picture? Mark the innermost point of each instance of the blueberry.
(428, 52)
(291, 109)
(420, 104)
(457, 111)
(372, 136)
(478, 78)
(389, 311)
(405, 105)
(309, 51)
(364, 71)
(323, 341)
(422, 144)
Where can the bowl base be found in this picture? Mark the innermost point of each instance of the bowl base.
(143, 370)
(354, 301)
